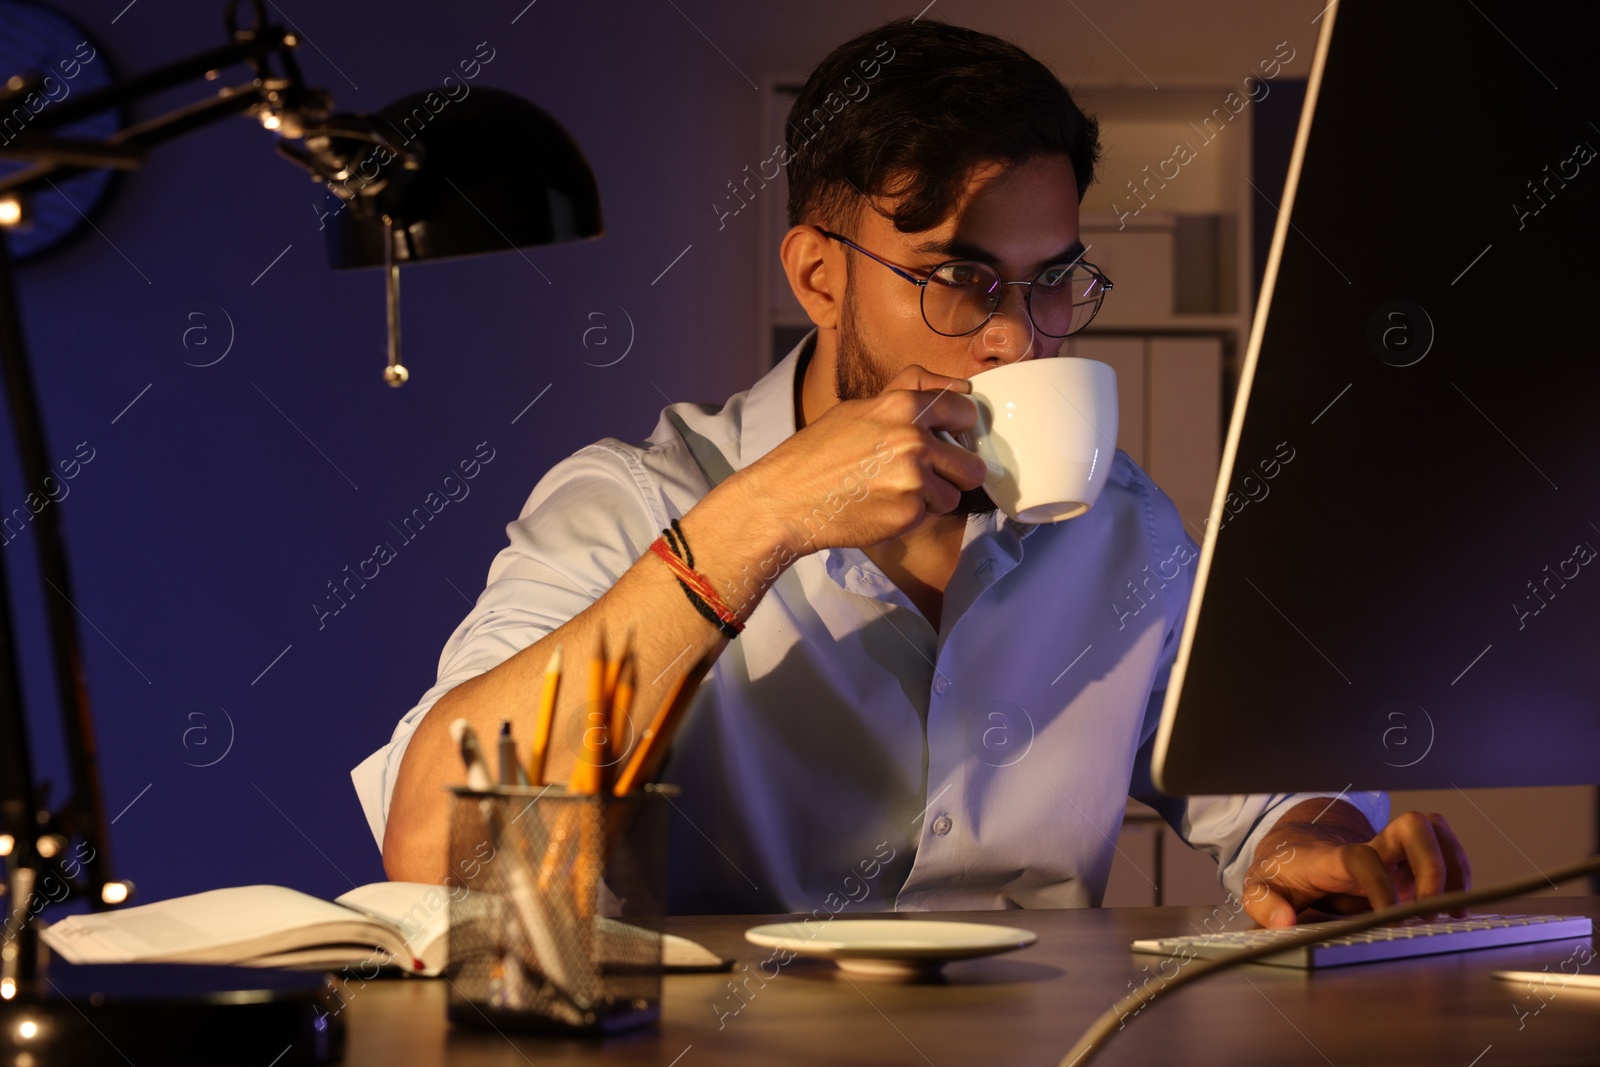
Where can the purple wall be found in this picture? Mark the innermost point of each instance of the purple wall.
(218, 506)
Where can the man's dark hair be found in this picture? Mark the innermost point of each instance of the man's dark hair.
(908, 109)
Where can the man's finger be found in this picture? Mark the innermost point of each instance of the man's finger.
(956, 465)
(1343, 904)
(940, 497)
(1366, 867)
(1458, 871)
(1266, 905)
(919, 377)
(1415, 837)
(943, 409)
(1405, 886)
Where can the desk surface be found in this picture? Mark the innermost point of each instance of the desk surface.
(1030, 1006)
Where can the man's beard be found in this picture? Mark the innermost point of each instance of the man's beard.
(857, 376)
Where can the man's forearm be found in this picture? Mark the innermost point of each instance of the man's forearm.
(730, 540)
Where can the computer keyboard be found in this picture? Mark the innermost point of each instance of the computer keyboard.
(1413, 937)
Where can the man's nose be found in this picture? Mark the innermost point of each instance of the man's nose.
(1008, 336)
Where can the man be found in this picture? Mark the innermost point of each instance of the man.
(928, 701)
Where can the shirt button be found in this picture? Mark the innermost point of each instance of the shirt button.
(941, 685)
(941, 825)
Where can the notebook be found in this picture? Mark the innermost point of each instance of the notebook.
(398, 924)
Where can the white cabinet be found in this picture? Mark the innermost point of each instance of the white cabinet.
(1169, 411)
(1183, 398)
(1173, 328)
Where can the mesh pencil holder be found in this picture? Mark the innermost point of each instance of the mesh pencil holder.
(556, 909)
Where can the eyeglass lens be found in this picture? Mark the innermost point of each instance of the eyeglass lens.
(960, 295)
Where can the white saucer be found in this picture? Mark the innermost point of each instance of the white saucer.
(890, 948)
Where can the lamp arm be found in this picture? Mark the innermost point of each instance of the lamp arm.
(253, 46)
(284, 92)
(227, 103)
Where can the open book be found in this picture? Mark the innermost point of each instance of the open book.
(400, 924)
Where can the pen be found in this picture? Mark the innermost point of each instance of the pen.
(510, 768)
(466, 739)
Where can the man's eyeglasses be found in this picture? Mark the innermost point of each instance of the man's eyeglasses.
(960, 295)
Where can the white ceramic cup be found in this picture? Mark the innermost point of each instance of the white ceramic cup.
(1047, 428)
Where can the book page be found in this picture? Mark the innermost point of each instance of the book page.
(266, 924)
(420, 911)
(222, 925)
(681, 954)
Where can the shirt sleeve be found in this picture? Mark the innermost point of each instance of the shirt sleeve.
(1228, 828)
(586, 522)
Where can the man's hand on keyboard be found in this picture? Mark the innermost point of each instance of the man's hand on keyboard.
(1325, 854)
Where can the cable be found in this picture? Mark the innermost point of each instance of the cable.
(1099, 1033)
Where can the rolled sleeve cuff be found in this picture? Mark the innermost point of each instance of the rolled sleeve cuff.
(374, 777)
(374, 783)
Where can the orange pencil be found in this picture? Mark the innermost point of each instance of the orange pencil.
(588, 779)
(621, 706)
(651, 751)
(614, 668)
(585, 778)
(544, 718)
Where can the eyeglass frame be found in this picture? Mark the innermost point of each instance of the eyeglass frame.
(1027, 299)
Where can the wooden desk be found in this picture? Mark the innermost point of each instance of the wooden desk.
(1028, 1008)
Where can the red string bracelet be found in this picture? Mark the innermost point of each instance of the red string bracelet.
(697, 587)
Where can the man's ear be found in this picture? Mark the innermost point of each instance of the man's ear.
(806, 257)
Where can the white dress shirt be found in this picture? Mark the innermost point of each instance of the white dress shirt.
(843, 748)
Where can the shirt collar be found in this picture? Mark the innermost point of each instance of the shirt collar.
(769, 415)
(1006, 532)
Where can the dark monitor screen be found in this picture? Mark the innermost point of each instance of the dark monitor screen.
(1400, 585)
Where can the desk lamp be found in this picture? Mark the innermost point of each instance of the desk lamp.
(484, 173)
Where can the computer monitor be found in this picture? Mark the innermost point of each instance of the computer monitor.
(1399, 584)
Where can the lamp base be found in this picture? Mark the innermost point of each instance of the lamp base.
(173, 1014)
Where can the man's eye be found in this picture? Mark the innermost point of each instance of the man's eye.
(1053, 276)
(957, 274)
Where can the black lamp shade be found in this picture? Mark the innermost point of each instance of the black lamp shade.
(497, 173)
